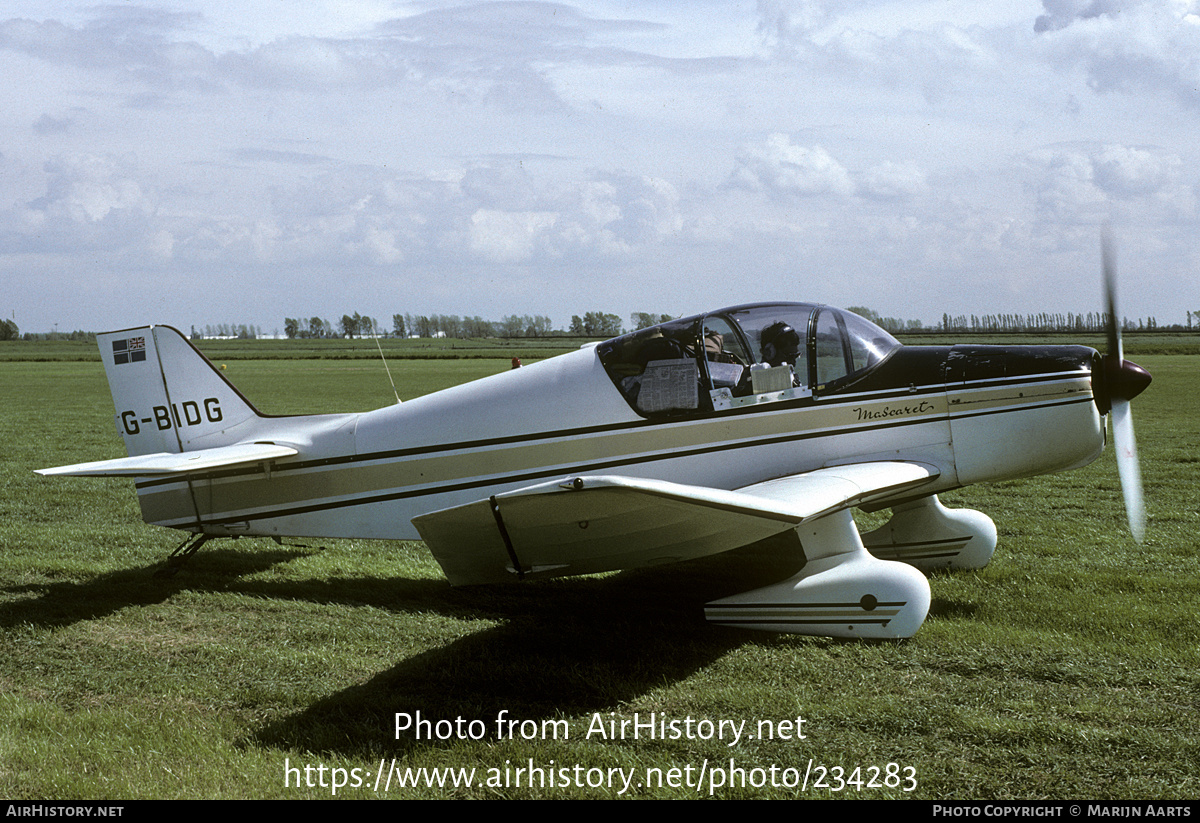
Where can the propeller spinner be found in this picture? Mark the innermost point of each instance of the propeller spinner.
(1121, 381)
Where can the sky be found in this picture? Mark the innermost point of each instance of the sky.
(243, 161)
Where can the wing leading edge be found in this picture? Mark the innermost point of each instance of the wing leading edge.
(590, 524)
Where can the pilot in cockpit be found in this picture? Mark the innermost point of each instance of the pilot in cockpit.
(780, 346)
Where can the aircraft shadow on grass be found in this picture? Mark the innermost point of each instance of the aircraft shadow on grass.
(69, 602)
(561, 647)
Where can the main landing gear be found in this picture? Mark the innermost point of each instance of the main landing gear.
(844, 590)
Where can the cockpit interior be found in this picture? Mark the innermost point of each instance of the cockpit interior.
(744, 356)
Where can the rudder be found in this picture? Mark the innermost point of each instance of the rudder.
(168, 396)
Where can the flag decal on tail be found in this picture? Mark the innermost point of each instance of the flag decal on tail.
(132, 350)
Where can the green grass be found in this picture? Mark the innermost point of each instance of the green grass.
(1068, 668)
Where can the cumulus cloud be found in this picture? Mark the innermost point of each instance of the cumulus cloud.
(784, 23)
(89, 201)
(88, 188)
(616, 214)
(894, 181)
(1089, 182)
(783, 168)
(619, 213)
(1127, 46)
(136, 42)
(836, 40)
(1062, 13)
(508, 236)
(502, 184)
(1132, 172)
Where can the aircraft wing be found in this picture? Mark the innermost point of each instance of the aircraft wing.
(592, 524)
(145, 465)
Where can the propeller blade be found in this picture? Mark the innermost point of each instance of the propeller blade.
(1128, 468)
(1108, 259)
(1123, 381)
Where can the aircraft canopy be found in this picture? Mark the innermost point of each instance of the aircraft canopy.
(741, 356)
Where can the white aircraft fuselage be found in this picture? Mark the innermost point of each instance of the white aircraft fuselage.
(368, 475)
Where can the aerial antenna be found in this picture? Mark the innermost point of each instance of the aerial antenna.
(389, 371)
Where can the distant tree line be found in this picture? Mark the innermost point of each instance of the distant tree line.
(602, 324)
(451, 325)
(595, 324)
(241, 331)
(591, 324)
(1045, 322)
(644, 320)
(889, 324)
(1093, 322)
(313, 327)
(11, 333)
(358, 325)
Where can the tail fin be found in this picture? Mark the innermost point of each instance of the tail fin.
(177, 413)
(180, 419)
(168, 396)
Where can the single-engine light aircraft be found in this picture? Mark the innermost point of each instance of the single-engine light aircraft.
(696, 436)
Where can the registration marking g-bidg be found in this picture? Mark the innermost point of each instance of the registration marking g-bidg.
(179, 415)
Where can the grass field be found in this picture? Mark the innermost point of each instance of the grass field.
(1068, 668)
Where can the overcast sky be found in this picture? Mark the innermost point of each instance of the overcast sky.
(242, 161)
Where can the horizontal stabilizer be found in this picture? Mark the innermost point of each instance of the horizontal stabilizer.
(144, 465)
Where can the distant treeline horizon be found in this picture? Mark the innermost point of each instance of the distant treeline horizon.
(596, 324)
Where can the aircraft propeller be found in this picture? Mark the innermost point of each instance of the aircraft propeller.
(1122, 381)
